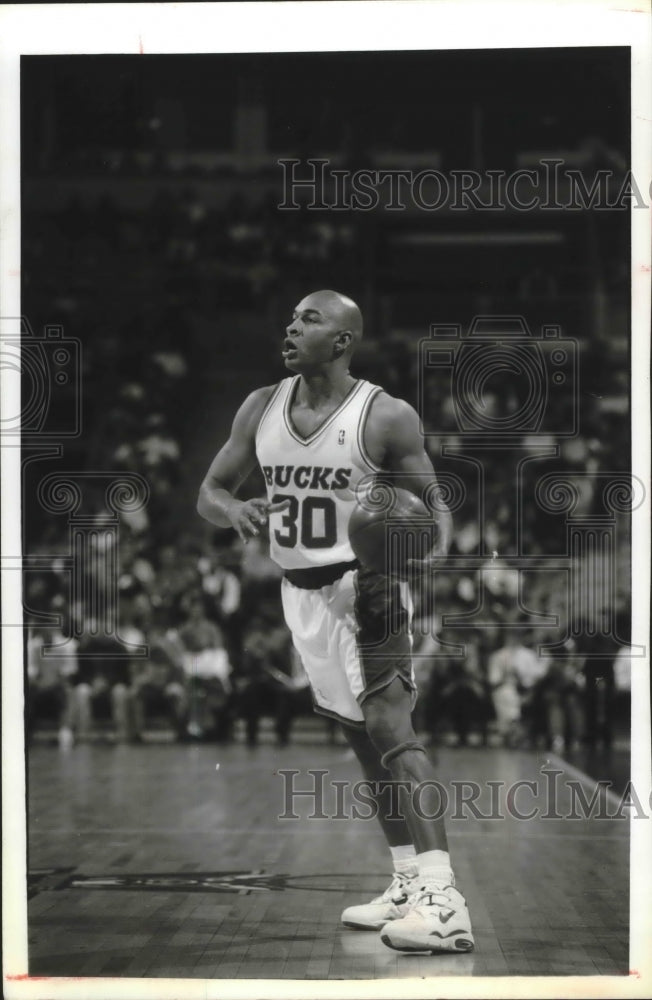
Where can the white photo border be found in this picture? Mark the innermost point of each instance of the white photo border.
(381, 25)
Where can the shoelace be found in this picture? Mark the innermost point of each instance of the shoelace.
(397, 887)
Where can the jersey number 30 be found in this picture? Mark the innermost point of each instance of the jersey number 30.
(314, 517)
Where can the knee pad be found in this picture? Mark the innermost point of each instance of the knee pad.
(401, 748)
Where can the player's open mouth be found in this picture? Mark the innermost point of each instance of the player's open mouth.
(289, 350)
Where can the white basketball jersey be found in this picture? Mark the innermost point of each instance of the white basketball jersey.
(317, 474)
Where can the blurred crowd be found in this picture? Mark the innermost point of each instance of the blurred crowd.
(200, 645)
(202, 653)
(523, 689)
(173, 249)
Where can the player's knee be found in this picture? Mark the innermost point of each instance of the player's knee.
(387, 721)
(386, 730)
(407, 746)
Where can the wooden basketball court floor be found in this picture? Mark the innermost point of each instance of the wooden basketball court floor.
(150, 861)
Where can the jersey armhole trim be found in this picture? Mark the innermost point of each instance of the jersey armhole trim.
(361, 427)
(269, 404)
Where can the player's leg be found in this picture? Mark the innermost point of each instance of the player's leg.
(390, 817)
(436, 917)
(353, 639)
(382, 664)
(392, 903)
(389, 728)
(320, 623)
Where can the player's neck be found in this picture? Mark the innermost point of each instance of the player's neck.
(319, 387)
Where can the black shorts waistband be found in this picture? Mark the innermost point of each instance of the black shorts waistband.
(318, 576)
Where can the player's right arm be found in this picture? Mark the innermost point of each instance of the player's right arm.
(234, 461)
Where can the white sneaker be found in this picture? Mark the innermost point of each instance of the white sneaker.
(436, 919)
(390, 906)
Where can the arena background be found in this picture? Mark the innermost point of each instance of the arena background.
(152, 232)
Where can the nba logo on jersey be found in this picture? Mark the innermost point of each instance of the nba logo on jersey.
(340, 439)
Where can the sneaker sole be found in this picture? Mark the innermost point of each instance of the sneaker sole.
(459, 944)
(363, 927)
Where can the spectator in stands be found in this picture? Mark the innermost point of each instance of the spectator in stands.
(499, 582)
(219, 568)
(462, 689)
(102, 684)
(221, 586)
(625, 655)
(557, 699)
(271, 680)
(512, 673)
(49, 677)
(159, 685)
(158, 449)
(623, 688)
(172, 582)
(207, 671)
(136, 571)
(599, 648)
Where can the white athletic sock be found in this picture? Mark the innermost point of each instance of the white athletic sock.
(435, 866)
(405, 859)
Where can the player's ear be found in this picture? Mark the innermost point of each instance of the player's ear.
(342, 343)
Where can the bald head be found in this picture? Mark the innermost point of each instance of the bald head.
(341, 309)
(325, 329)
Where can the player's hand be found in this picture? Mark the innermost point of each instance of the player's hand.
(249, 516)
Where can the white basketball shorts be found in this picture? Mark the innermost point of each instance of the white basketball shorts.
(353, 637)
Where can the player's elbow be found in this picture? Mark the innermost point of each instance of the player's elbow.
(209, 506)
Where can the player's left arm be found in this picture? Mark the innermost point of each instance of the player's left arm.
(397, 440)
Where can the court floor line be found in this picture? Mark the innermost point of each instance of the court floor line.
(586, 779)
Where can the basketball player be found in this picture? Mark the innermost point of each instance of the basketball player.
(315, 435)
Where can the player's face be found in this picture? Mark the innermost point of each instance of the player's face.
(310, 336)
